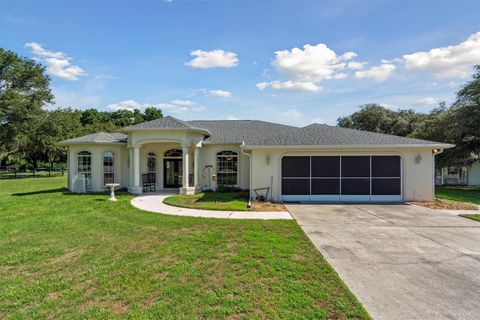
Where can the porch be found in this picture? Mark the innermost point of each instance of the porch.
(164, 167)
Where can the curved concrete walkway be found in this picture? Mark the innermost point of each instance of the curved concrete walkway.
(153, 202)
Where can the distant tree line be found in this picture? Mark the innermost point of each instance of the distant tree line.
(457, 124)
(29, 134)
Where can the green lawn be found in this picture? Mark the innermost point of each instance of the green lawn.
(475, 217)
(459, 193)
(66, 256)
(236, 201)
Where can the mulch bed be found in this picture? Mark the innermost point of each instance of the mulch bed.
(267, 206)
(447, 204)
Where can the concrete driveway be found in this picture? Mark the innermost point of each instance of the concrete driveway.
(401, 261)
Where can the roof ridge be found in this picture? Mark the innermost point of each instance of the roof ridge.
(366, 131)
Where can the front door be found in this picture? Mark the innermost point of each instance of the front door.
(172, 169)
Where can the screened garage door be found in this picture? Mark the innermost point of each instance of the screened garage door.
(341, 178)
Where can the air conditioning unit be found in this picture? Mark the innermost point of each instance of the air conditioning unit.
(79, 184)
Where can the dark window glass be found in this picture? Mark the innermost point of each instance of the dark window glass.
(386, 166)
(386, 186)
(325, 186)
(356, 186)
(296, 186)
(325, 166)
(356, 166)
(296, 167)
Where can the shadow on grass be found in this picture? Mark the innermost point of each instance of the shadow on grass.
(66, 192)
(22, 194)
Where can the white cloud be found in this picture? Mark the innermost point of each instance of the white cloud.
(454, 61)
(427, 101)
(231, 118)
(314, 63)
(303, 69)
(58, 63)
(378, 73)
(218, 93)
(184, 102)
(175, 106)
(356, 65)
(212, 59)
(290, 86)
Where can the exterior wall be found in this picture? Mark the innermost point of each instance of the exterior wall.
(97, 151)
(418, 177)
(207, 156)
(474, 174)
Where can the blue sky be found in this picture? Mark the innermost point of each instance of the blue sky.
(294, 62)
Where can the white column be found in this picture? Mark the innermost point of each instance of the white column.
(130, 167)
(135, 186)
(186, 166)
(196, 167)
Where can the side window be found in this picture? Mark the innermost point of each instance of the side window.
(151, 162)
(108, 167)
(227, 168)
(85, 167)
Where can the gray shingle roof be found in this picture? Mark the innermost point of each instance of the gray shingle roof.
(237, 131)
(99, 137)
(257, 133)
(167, 122)
(324, 135)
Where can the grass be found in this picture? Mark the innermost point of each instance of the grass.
(65, 256)
(235, 201)
(459, 193)
(475, 217)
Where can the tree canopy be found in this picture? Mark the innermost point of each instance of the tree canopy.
(24, 90)
(457, 124)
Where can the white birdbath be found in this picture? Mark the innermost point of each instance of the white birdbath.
(112, 190)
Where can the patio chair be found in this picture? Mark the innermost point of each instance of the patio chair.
(148, 182)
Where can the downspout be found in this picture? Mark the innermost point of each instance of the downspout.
(250, 174)
(434, 153)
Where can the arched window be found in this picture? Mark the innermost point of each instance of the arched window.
(173, 153)
(108, 167)
(151, 162)
(227, 168)
(85, 167)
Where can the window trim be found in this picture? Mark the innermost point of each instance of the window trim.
(178, 151)
(225, 154)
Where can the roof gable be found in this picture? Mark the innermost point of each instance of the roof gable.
(167, 122)
(99, 137)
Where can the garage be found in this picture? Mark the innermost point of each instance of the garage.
(342, 178)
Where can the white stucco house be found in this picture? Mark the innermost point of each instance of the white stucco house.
(313, 163)
(459, 175)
